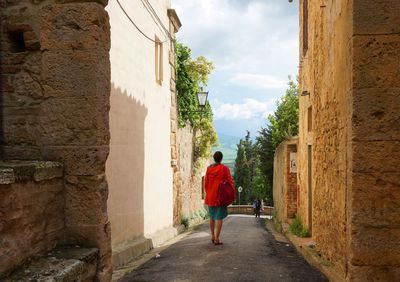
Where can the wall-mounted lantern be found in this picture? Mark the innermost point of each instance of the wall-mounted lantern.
(202, 98)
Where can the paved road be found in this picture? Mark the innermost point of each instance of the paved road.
(249, 253)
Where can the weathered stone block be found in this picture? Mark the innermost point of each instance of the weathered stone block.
(173, 138)
(171, 57)
(376, 114)
(382, 156)
(375, 246)
(21, 152)
(7, 83)
(375, 200)
(20, 125)
(76, 74)
(172, 85)
(174, 126)
(374, 273)
(174, 154)
(78, 160)
(75, 26)
(86, 200)
(71, 121)
(7, 176)
(32, 220)
(376, 17)
(376, 61)
(102, 2)
(28, 82)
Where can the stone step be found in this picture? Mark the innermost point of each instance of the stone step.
(65, 264)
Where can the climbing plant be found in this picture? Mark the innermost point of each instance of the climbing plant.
(191, 76)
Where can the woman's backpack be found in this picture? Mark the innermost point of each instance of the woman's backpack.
(226, 192)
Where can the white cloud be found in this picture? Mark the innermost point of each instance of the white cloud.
(242, 35)
(249, 109)
(254, 47)
(258, 81)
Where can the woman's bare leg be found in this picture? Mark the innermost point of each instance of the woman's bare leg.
(212, 229)
(219, 227)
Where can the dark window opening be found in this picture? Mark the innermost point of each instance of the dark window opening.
(17, 41)
(305, 27)
(309, 119)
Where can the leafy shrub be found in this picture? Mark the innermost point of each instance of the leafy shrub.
(297, 228)
(185, 221)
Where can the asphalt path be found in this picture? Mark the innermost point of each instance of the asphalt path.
(249, 253)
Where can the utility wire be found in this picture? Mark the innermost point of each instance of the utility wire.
(126, 14)
(158, 18)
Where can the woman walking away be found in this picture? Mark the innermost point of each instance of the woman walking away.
(216, 173)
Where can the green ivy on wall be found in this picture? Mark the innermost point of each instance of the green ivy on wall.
(191, 75)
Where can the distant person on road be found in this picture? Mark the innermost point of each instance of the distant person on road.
(213, 178)
(257, 207)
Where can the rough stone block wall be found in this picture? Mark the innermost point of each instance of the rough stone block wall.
(32, 216)
(190, 193)
(375, 190)
(55, 86)
(291, 182)
(326, 74)
(279, 187)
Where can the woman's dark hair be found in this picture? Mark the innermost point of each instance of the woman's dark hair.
(218, 156)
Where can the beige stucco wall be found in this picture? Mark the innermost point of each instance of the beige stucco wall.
(326, 73)
(139, 165)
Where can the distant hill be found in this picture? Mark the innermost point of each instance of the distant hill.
(228, 147)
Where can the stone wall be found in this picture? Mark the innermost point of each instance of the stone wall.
(349, 135)
(279, 187)
(374, 198)
(190, 197)
(32, 211)
(285, 181)
(55, 87)
(325, 82)
(291, 180)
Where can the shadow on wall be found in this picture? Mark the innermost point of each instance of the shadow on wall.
(125, 166)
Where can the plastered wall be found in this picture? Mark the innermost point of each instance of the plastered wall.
(139, 165)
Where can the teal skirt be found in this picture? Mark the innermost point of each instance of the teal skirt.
(217, 213)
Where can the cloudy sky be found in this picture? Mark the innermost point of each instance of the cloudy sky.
(254, 47)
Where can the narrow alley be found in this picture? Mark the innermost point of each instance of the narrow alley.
(249, 253)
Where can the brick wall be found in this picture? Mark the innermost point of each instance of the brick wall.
(291, 182)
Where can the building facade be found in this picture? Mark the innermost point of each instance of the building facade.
(285, 186)
(140, 166)
(348, 153)
(88, 130)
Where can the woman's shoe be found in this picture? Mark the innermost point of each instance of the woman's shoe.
(218, 242)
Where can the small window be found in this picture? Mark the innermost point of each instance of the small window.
(159, 60)
(305, 27)
(309, 119)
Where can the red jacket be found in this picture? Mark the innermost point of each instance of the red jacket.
(213, 178)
